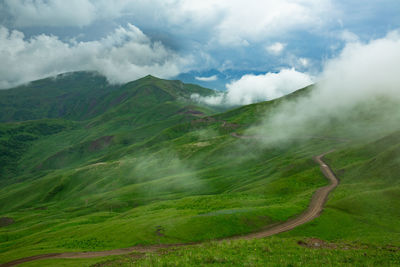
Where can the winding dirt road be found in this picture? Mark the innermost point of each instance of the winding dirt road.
(313, 211)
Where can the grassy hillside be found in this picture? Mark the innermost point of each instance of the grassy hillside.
(122, 115)
(85, 95)
(71, 95)
(366, 204)
(16, 138)
(155, 167)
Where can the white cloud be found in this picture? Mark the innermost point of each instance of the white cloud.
(299, 63)
(275, 48)
(255, 88)
(255, 20)
(27, 13)
(124, 55)
(363, 70)
(348, 36)
(305, 62)
(224, 22)
(207, 79)
(362, 75)
(52, 13)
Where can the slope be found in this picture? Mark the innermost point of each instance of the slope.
(125, 114)
(97, 176)
(192, 181)
(70, 95)
(85, 95)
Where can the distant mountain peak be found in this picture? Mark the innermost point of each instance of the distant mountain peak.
(151, 77)
(84, 95)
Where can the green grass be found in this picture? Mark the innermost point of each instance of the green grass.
(273, 251)
(85, 95)
(365, 205)
(147, 168)
(125, 210)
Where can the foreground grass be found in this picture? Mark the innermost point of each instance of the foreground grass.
(360, 222)
(201, 193)
(272, 251)
(365, 206)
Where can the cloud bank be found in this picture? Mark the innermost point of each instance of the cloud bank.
(363, 81)
(255, 88)
(60, 13)
(224, 22)
(124, 55)
(51, 13)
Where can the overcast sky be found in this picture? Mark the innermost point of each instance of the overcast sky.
(217, 43)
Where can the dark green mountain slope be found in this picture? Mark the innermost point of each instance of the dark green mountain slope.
(71, 95)
(103, 116)
(16, 138)
(84, 95)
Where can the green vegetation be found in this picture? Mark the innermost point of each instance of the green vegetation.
(147, 165)
(15, 140)
(274, 251)
(366, 204)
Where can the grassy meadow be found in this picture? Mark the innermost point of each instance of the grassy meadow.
(158, 168)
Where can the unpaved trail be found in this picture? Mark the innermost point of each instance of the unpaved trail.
(313, 211)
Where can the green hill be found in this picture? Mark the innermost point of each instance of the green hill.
(147, 165)
(121, 115)
(71, 95)
(84, 95)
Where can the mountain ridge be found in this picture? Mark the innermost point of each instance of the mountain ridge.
(81, 96)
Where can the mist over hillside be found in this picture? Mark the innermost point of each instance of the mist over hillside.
(357, 95)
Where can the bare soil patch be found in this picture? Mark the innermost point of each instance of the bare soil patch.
(100, 143)
(5, 221)
(316, 243)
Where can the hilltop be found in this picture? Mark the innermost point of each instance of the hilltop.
(84, 95)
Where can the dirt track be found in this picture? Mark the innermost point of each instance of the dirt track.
(313, 211)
